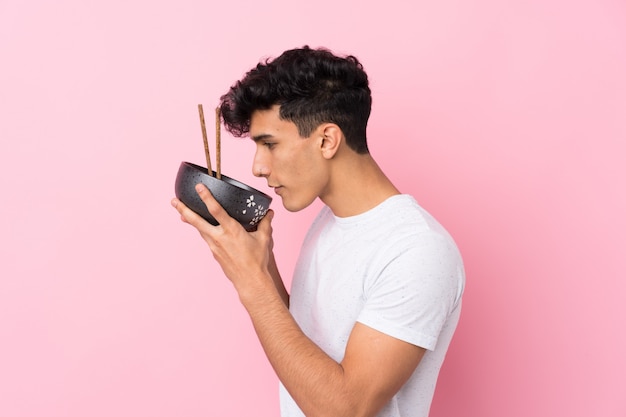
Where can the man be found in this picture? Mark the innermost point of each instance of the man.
(376, 292)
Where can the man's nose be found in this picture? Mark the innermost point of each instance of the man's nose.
(259, 167)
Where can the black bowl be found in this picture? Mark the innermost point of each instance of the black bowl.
(243, 203)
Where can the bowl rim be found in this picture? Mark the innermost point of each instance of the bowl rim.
(225, 178)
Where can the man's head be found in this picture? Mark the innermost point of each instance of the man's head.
(311, 86)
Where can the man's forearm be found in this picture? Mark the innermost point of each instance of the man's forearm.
(278, 281)
(315, 381)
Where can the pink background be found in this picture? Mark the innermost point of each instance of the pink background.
(506, 119)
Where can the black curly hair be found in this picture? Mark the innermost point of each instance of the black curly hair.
(312, 86)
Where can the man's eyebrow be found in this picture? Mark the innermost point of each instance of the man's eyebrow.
(262, 136)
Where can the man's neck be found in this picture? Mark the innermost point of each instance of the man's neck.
(357, 185)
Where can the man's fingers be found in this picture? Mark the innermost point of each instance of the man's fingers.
(186, 214)
(265, 225)
(264, 230)
(215, 208)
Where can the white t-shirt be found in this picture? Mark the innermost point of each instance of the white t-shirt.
(393, 268)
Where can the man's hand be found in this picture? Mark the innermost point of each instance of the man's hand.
(244, 256)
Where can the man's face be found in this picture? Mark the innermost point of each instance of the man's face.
(292, 165)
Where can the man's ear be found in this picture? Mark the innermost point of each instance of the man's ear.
(332, 137)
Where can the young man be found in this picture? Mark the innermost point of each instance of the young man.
(376, 293)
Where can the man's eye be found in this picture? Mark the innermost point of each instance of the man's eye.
(268, 145)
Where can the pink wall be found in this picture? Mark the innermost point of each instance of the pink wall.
(506, 119)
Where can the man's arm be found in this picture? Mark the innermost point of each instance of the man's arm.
(374, 368)
(375, 365)
(278, 281)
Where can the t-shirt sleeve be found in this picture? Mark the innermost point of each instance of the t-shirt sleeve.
(415, 291)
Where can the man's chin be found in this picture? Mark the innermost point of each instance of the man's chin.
(294, 207)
